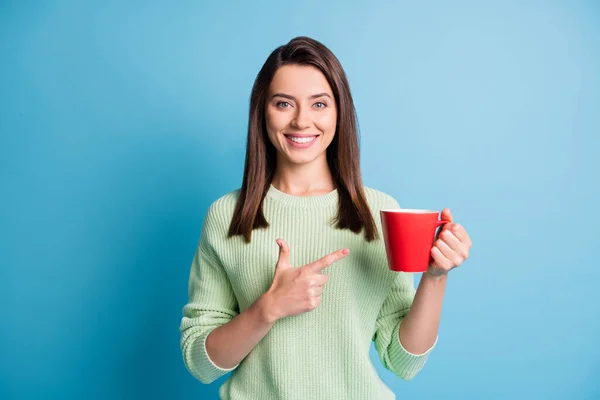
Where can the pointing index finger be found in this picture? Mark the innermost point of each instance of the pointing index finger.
(329, 259)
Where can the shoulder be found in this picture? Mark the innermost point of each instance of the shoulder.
(379, 200)
(226, 202)
(221, 210)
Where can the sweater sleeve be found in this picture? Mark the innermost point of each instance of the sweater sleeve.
(212, 303)
(392, 354)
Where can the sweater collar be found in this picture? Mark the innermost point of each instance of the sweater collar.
(323, 200)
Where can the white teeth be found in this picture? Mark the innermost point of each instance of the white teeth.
(301, 140)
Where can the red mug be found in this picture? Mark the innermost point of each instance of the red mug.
(409, 235)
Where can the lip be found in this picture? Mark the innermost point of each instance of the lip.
(297, 135)
(300, 145)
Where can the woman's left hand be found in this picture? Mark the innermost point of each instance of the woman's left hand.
(451, 248)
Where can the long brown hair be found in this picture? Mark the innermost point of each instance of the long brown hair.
(342, 153)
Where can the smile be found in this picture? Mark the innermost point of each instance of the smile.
(301, 142)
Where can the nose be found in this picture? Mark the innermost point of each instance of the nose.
(301, 119)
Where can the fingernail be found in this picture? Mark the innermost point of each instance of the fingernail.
(345, 251)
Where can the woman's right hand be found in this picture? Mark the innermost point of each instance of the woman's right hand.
(295, 291)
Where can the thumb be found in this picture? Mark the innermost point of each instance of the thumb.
(284, 254)
(447, 215)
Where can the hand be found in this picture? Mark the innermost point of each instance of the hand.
(295, 291)
(451, 248)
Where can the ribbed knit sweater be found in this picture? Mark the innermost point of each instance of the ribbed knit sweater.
(321, 354)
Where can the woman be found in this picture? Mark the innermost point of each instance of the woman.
(265, 300)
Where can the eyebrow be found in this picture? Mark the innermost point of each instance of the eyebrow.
(287, 96)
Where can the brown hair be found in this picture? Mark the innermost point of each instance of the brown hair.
(342, 154)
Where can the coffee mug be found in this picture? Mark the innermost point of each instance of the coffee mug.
(408, 236)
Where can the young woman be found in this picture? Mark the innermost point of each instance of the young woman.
(290, 283)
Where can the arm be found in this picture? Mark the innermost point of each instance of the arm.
(419, 329)
(407, 324)
(229, 344)
(215, 337)
(402, 361)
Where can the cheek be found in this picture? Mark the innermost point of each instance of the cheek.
(269, 121)
(327, 123)
(276, 121)
(273, 127)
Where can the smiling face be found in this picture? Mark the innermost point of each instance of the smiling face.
(300, 114)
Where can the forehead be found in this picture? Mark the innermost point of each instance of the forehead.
(299, 80)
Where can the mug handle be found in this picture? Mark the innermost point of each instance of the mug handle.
(441, 222)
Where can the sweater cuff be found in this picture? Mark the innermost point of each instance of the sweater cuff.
(203, 365)
(405, 361)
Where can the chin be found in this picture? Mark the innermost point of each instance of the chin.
(302, 159)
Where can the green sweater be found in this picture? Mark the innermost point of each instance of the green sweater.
(322, 354)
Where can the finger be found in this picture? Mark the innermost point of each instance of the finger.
(451, 240)
(460, 249)
(315, 291)
(284, 254)
(445, 249)
(439, 258)
(326, 261)
(446, 215)
(319, 279)
(459, 231)
(455, 257)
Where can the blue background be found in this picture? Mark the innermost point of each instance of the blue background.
(121, 123)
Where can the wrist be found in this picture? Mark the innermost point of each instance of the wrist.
(435, 275)
(266, 309)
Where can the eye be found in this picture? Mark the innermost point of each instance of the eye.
(282, 104)
(320, 105)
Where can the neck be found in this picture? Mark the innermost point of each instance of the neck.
(309, 179)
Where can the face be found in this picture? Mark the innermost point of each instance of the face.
(300, 114)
